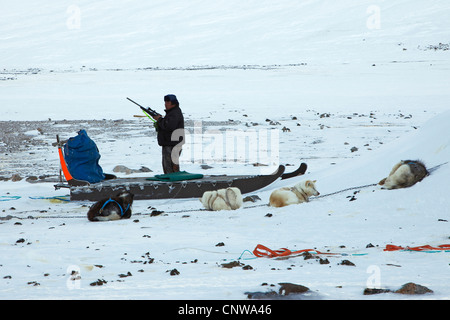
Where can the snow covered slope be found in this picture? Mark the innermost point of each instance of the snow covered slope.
(105, 34)
(132, 258)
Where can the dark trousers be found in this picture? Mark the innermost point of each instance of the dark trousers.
(170, 159)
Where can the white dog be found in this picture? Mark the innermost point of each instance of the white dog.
(405, 174)
(223, 199)
(297, 194)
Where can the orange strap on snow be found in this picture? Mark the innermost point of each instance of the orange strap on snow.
(64, 168)
(391, 247)
(263, 251)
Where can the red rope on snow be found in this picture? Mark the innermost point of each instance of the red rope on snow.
(391, 247)
(263, 251)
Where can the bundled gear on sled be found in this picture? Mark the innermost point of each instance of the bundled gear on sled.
(82, 158)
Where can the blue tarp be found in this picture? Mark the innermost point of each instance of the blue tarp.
(82, 157)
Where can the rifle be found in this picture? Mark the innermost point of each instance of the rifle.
(148, 111)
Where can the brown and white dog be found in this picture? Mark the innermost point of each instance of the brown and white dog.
(118, 207)
(294, 195)
(404, 174)
(222, 199)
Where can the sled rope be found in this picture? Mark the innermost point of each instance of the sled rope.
(134, 214)
(430, 171)
(425, 248)
(60, 198)
(9, 198)
(344, 190)
(263, 251)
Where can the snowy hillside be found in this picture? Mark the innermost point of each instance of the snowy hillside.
(252, 56)
(338, 74)
(62, 255)
(137, 34)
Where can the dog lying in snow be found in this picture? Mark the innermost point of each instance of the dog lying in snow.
(405, 174)
(115, 208)
(222, 199)
(297, 194)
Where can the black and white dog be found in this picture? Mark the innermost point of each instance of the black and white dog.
(115, 208)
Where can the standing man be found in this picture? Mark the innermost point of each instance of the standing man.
(171, 134)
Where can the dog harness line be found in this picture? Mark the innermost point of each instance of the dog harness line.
(121, 209)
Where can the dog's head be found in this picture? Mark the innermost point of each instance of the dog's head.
(206, 197)
(125, 197)
(308, 187)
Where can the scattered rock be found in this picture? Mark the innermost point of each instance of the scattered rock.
(75, 275)
(291, 288)
(126, 170)
(257, 164)
(286, 291)
(412, 288)
(262, 295)
(149, 259)
(232, 264)
(16, 177)
(308, 255)
(155, 213)
(99, 282)
(407, 288)
(347, 263)
(370, 291)
(122, 275)
(220, 244)
(31, 179)
(122, 169)
(173, 272)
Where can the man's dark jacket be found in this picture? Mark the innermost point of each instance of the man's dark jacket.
(167, 125)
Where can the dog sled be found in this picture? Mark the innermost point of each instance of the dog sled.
(171, 186)
(178, 185)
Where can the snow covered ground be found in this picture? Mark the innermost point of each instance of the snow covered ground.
(337, 74)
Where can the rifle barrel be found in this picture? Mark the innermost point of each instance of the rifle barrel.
(135, 102)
